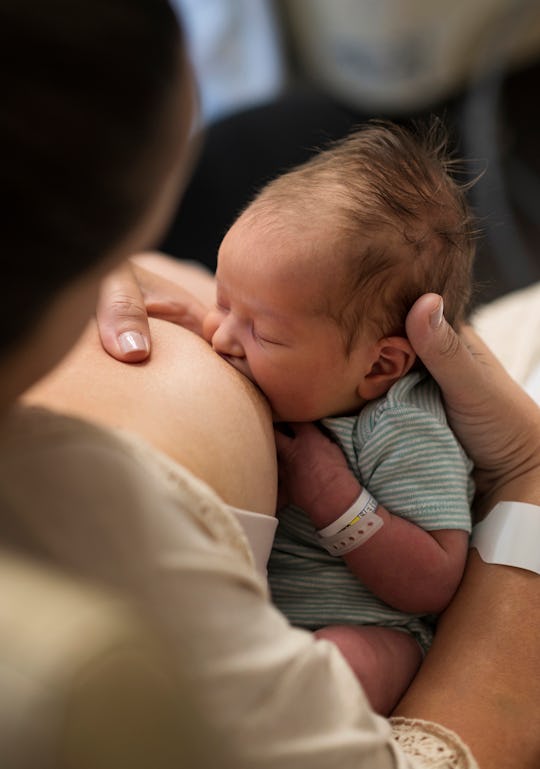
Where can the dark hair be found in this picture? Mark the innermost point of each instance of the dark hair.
(83, 89)
(400, 219)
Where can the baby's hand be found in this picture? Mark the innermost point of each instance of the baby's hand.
(313, 473)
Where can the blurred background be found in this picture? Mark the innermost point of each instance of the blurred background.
(278, 79)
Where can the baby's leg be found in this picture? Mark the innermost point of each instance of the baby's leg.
(383, 659)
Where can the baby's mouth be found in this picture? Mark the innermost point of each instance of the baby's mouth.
(239, 364)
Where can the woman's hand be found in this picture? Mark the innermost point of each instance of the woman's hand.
(496, 421)
(149, 285)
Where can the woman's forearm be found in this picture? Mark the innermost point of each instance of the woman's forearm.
(484, 682)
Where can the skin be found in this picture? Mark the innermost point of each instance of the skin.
(271, 323)
(483, 683)
(232, 448)
(180, 403)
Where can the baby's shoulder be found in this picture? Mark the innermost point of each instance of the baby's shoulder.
(414, 399)
(416, 391)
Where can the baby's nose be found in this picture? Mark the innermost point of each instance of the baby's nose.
(224, 339)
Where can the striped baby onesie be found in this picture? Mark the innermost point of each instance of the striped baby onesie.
(402, 450)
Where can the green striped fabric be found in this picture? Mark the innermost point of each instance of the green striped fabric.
(401, 448)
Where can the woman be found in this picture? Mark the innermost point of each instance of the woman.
(111, 508)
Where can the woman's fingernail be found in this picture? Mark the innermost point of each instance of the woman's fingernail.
(132, 341)
(435, 319)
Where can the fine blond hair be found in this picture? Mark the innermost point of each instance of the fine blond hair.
(399, 220)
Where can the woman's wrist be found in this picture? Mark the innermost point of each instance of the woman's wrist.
(523, 487)
(490, 680)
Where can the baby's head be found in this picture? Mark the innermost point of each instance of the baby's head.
(317, 275)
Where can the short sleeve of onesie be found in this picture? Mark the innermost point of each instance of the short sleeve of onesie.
(402, 449)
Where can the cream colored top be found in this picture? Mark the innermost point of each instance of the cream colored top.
(72, 657)
(498, 322)
(114, 510)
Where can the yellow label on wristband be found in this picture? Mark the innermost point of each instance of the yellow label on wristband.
(363, 523)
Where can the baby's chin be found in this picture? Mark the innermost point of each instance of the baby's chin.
(288, 416)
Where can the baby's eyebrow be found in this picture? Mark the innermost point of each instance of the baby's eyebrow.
(273, 315)
(221, 294)
(249, 305)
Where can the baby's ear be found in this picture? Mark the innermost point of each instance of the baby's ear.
(393, 358)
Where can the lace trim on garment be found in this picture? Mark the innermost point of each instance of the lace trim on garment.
(431, 745)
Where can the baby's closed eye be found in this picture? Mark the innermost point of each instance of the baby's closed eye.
(261, 337)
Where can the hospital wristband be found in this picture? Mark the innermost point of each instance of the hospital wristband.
(510, 535)
(357, 508)
(357, 524)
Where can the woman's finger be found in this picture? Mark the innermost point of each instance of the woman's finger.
(495, 420)
(465, 369)
(438, 346)
(192, 276)
(132, 293)
(122, 317)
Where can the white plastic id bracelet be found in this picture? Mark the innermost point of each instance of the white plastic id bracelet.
(349, 516)
(510, 535)
(357, 524)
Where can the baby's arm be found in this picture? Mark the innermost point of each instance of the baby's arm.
(406, 566)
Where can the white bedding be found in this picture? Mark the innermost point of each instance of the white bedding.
(511, 327)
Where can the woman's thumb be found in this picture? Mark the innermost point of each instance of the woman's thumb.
(436, 343)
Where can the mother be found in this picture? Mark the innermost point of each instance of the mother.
(98, 109)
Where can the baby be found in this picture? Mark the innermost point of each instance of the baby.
(314, 282)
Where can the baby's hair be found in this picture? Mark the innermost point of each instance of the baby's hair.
(86, 87)
(389, 201)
